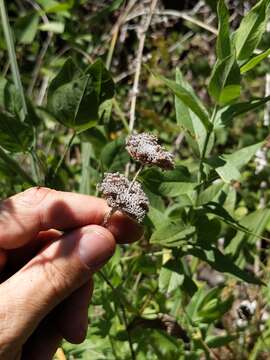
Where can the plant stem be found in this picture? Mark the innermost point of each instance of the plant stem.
(12, 55)
(64, 154)
(135, 177)
(132, 352)
(201, 175)
(115, 31)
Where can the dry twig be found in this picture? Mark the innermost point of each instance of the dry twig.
(135, 88)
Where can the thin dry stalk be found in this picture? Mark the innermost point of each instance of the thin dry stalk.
(135, 88)
(116, 29)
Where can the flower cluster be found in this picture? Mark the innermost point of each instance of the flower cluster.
(123, 195)
(128, 196)
(145, 149)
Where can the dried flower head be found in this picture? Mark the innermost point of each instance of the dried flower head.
(145, 148)
(123, 195)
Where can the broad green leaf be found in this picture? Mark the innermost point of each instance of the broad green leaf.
(74, 97)
(195, 131)
(254, 61)
(210, 193)
(173, 234)
(228, 166)
(223, 263)
(224, 85)
(15, 136)
(53, 26)
(67, 73)
(102, 81)
(223, 44)
(75, 104)
(170, 276)
(170, 183)
(189, 99)
(226, 115)
(26, 28)
(174, 189)
(251, 29)
(157, 217)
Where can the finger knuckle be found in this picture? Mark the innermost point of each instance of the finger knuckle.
(58, 282)
(35, 195)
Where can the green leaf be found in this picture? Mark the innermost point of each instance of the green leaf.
(211, 307)
(15, 136)
(157, 217)
(172, 234)
(228, 166)
(67, 73)
(170, 183)
(223, 44)
(61, 7)
(251, 29)
(102, 81)
(10, 99)
(254, 61)
(256, 223)
(210, 193)
(75, 104)
(170, 277)
(225, 115)
(224, 85)
(114, 156)
(74, 97)
(189, 99)
(224, 264)
(194, 129)
(219, 341)
(26, 28)
(53, 26)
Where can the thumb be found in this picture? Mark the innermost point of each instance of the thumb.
(56, 272)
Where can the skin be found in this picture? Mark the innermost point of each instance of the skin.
(51, 244)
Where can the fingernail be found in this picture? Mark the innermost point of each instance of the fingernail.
(95, 249)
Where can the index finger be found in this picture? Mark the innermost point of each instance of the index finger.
(24, 215)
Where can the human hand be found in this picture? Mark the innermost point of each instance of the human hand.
(51, 243)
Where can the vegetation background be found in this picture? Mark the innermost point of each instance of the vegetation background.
(175, 294)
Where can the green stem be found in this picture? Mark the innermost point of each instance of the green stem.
(12, 55)
(16, 167)
(201, 175)
(136, 176)
(60, 162)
